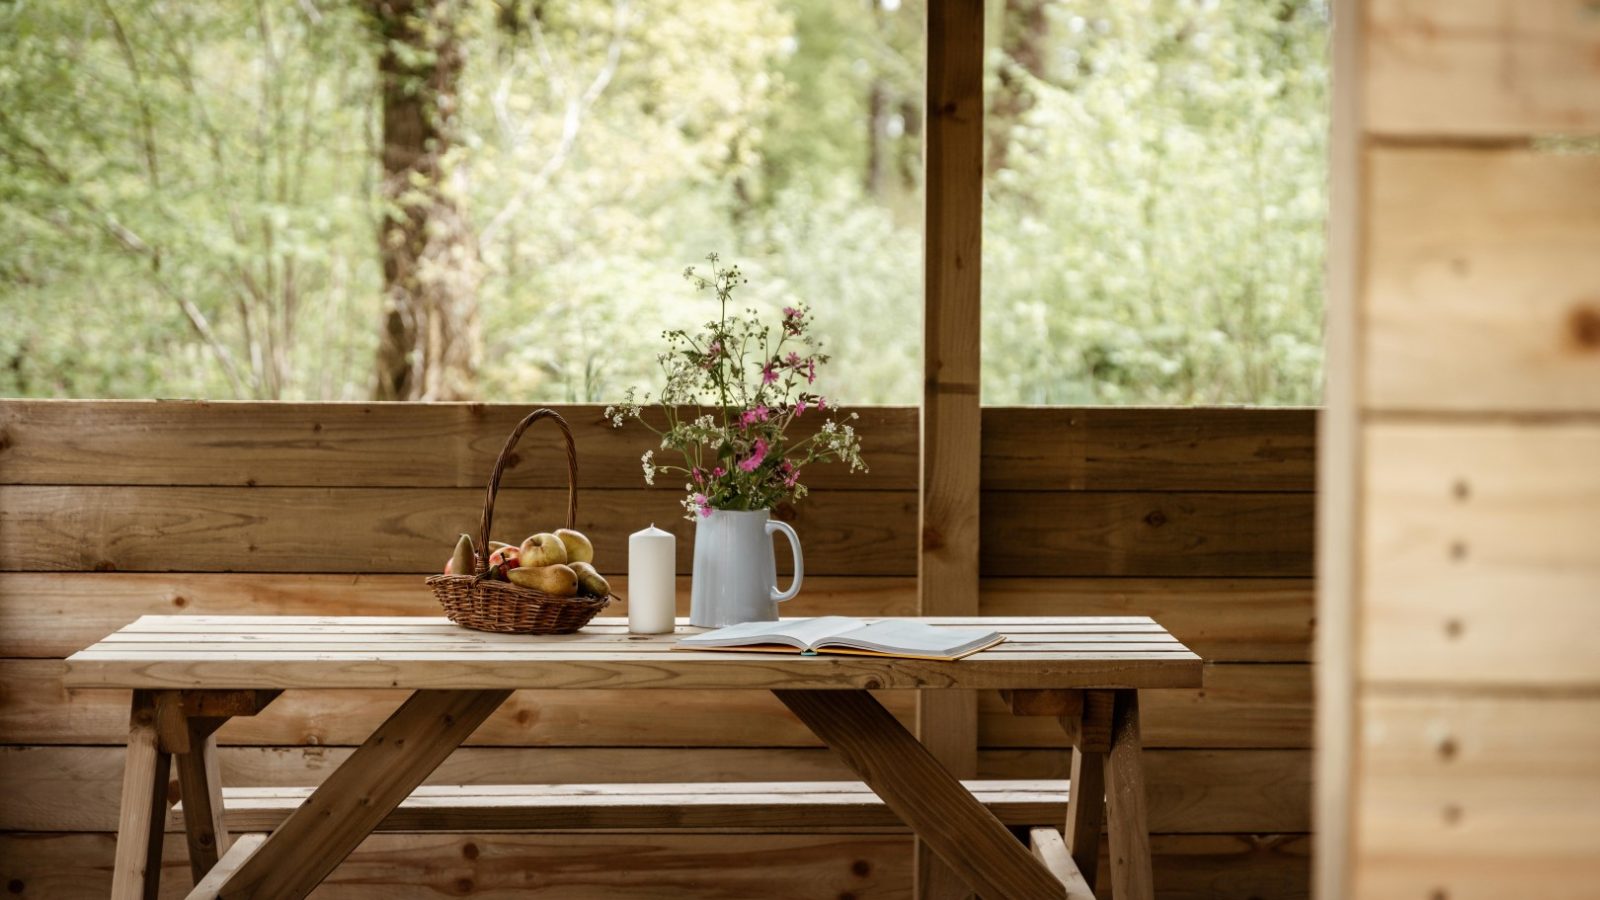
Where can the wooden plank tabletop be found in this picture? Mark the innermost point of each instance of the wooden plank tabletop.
(413, 652)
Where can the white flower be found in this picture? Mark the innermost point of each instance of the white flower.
(649, 466)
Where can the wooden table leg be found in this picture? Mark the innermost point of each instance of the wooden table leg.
(924, 794)
(1131, 877)
(351, 802)
(142, 817)
(1090, 733)
(200, 788)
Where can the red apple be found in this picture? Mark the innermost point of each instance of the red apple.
(504, 560)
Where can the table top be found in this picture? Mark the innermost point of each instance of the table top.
(414, 652)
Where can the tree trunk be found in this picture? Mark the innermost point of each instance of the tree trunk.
(428, 346)
(1024, 31)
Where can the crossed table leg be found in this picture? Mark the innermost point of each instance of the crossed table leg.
(417, 738)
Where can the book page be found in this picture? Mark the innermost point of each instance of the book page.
(914, 638)
(799, 633)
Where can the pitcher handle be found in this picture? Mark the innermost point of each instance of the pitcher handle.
(799, 561)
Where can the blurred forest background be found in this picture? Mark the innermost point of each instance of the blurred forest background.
(494, 199)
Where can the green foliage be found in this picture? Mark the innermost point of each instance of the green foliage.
(189, 202)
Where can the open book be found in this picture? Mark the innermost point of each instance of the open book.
(842, 634)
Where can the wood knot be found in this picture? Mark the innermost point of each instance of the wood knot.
(180, 601)
(15, 885)
(316, 426)
(5, 441)
(1583, 323)
(469, 851)
(861, 868)
(105, 565)
(464, 886)
(932, 539)
(1448, 748)
(1156, 518)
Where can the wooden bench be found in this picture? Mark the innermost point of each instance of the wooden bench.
(775, 807)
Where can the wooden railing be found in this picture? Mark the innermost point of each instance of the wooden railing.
(109, 510)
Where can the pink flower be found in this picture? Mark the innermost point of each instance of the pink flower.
(792, 360)
(811, 375)
(699, 476)
(702, 504)
(790, 312)
(718, 472)
(769, 373)
(754, 460)
(800, 406)
(752, 416)
(822, 403)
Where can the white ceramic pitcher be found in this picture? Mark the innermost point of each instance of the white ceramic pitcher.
(735, 569)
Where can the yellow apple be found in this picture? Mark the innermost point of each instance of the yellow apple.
(543, 549)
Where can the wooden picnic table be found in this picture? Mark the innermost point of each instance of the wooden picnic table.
(190, 674)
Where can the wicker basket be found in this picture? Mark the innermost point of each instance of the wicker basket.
(478, 602)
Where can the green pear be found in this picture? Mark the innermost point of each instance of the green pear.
(463, 560)
(557, 580)
(590, 582)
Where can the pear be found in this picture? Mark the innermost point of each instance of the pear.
(590, 582)
(579, 549)
(557, 580)
(463, 560)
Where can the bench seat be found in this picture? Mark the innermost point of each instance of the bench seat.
(777, 807)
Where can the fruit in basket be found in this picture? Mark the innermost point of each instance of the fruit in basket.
(496, 545)
(556, 579)
(590, 582)
(578, 547)
(504, 560)
(461, 562)
(543, 549)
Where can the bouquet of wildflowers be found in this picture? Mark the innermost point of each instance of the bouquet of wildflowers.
(755, 383)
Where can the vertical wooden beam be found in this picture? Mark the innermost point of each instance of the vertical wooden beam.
(947, 558)
(142, 815)
(1339, 466)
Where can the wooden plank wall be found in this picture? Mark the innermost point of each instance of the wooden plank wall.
(1459, 717)
(109, 510)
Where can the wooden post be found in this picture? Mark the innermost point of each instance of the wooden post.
(947, 558)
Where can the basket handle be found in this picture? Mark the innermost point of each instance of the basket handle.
(482, 556)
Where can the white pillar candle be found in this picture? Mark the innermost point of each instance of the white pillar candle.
(652, 587)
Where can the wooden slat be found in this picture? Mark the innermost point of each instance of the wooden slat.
(759, 807)
(208, 886)
(187, 442)
(1191, 791)
(1239, 707)
(1479, 796)
(77, 528)
(1483, 299)
(1481, 68)
(1481, 554)
(654, 867)
(390, 529)
(1050, 849)
(1089, 534)
(55, 614)
(201, 443)
(477, 670)
(1107, 448)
